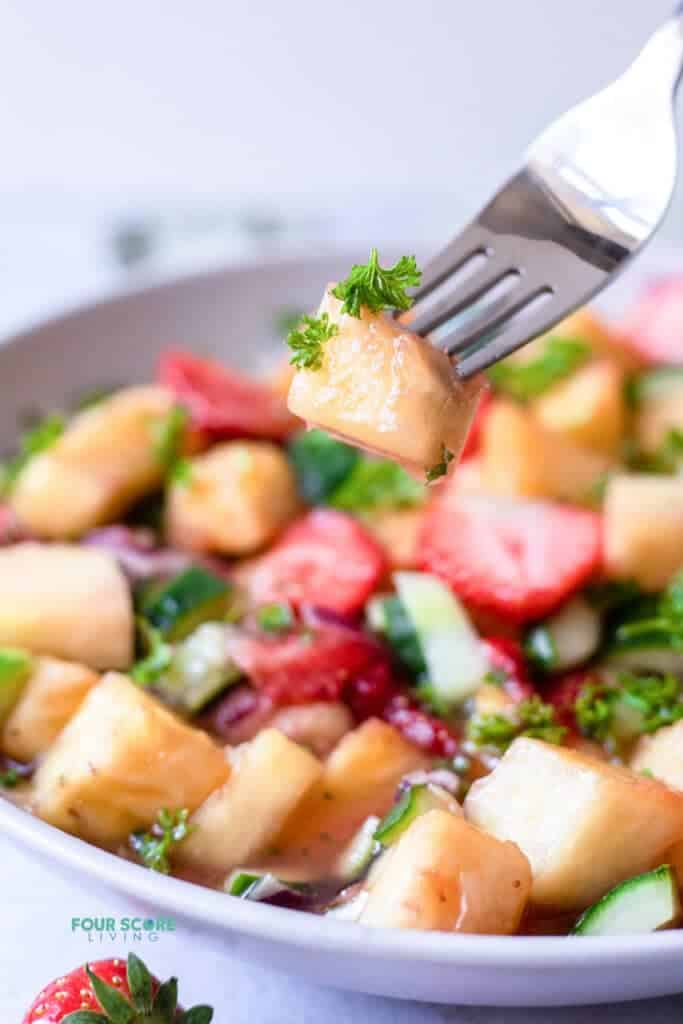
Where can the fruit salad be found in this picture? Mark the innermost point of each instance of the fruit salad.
(359, 640)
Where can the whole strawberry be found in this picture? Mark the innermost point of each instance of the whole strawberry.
(113, 992)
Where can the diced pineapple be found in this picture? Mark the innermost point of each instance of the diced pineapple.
(104, 461)
(269, 777)
(121, 759)
(587, 408)
(236, 499)
(520, 458)
(359, 778)
(659, 416)
(661, 755)
(67, 601)
(447, 875)
(397, 531)
(53, 693)
(385, 389)
(643, 528)
(584, 825)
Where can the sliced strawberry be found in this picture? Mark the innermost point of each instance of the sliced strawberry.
(224, 403)
(519, 559)
(305, 664)
(473, 439)
(506, 658)
(421, 728)
(654, 327)
(326, 559)
(113, 992)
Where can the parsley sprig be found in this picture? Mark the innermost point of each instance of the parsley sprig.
(307, 339)
(527, 380)
(377, 287)
(154, 847)
(633, 705)
(441, 468)
(530, 718)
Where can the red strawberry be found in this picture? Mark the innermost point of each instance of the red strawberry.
(327, 559)
(305, 664)
(519, 559)
(420, 728)
(224, 403)
(113, 992)
(654, 327)
(506, 659)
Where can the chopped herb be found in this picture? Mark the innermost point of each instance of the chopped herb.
(441, 468)
(496, 677)
(181, 472)
(530, 718)
(594, 711)
(157, 659)
(306, 341)
(275, 618)
(9, 779)
(527, 380)
(652, 622)
(287, 320)
(646, 703)
(374, 484)
(432, 701)
(35, 441)
(169, 434)
(657, 699)
(154, 847)
(646, 773)
(320, 463)
(376, 287)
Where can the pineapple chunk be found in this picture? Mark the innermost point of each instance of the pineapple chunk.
(585, 325)
(662, 755)
(657, 417)
(104, 461)
(67, 601)
(53, 693)
(447, 875)
(359, 778)
(643, 531)
(397, 531)
(588, 408)
(585, 825)
(269, 777)
(385, 389)
(237, 498)
(121, 759)
(520, 458)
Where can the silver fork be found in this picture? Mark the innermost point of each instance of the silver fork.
(594, 189)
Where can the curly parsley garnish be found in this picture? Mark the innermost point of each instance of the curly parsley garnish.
(154, 847)
(441, 468)
(35, 441)
(527, 380)
(376, 287)
(530, 718)
(632, 706)
(307, 339)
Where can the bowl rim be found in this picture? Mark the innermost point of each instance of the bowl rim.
(205, 906)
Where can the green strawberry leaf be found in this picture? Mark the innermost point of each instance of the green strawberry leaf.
(85, 1017)
(197, 1015)
(139, 983)
(115, 1006)
(166, 1001)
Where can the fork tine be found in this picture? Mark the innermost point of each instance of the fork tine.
(466, 294)
(470, 334)
(473, 241)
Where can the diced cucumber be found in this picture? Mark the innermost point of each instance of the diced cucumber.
(566, 640)
(652, 385)
(640, 905)
(403, 638)
(248, 886)
(16, 666)
(453, 654)
(415, 801)
(357, 857)
(320, 463)
(200, 669)
(192, 597)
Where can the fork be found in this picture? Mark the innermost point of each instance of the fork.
(594, 189)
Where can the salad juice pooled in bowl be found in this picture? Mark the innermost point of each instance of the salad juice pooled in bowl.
(442, 695)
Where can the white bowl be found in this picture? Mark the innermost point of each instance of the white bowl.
(231, 312)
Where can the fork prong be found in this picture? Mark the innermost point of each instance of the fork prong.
(461, 297)
(476, 356)
(491, 319)
(473, 241)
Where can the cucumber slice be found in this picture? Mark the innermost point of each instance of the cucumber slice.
(566, 640)
(358, 855)
(192, 597)
(16, 666)
(640, 905)
(248, 886)
(320, 464)
(200, 669)
(402, 636)
(415, 801)
(453, 654)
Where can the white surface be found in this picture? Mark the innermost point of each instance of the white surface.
(38, 911)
